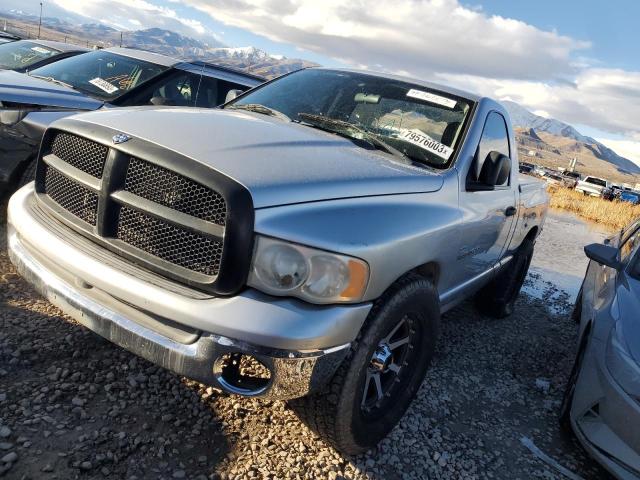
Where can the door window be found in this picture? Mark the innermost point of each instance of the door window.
(495, 138)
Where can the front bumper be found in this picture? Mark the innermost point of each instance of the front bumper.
(300, 344)
(606, 419)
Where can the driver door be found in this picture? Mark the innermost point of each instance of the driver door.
(488, 216)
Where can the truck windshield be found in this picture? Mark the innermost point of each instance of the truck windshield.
(422, 123)
(101, 74)
(21, 54)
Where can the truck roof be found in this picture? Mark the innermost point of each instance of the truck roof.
(435, 86)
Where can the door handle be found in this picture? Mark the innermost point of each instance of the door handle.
(510, 211)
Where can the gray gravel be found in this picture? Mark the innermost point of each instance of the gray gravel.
(75, 406)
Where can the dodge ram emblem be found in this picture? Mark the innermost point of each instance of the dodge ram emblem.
(121, 138)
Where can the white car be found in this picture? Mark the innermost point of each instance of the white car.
(593, 186)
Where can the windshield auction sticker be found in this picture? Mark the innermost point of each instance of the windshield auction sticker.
(44, 51)
(424, 141)
(431, 97)
(103, 85)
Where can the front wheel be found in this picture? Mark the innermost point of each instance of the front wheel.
(374, 386)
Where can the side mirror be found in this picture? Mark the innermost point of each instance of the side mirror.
(604, 255)
(495, 171)
(232, 95)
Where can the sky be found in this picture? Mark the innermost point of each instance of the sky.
(572, 60)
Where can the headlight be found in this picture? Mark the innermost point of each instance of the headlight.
(287, 269)
(622, 366)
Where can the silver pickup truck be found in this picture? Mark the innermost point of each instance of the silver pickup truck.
(300, 243)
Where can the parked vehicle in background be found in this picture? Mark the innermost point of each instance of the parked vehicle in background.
(114, 77)
(539, 171)
(25, 55)
(302, 241)
(553, 179)
(526, 168)
(602, 399)
(630, 196)
(6, 37)
(593, 186)
(571, 178)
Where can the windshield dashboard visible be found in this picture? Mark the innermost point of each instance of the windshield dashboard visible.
(101, 74)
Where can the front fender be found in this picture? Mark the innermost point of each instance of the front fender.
(393, 234)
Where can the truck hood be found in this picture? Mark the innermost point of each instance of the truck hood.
(21, 88)
(279, 162)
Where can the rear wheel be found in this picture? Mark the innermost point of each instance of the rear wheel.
(374, 386)
(498, 298)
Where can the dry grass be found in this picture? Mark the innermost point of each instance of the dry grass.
(615, 215)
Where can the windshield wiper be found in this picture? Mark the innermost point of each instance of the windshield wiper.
(259, 108)
(52, 80)
(349, 130)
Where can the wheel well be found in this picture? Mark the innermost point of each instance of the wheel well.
(532, 234)
(430, 270)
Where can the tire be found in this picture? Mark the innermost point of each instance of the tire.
(567, 398)
(498, 298)
(348, 412)
(28, 174)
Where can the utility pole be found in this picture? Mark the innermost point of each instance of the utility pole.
(40, 22)
(121, 39)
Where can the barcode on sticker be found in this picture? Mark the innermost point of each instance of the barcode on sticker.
(103, 85)
(424, 141)
(431, 97)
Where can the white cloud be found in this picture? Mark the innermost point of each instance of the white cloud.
(420, 37)
(119, 13)
(605, 99)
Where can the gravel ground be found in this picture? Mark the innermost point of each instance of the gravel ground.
(75, 406)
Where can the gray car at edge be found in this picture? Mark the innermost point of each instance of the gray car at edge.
(301, 243)
(602, 399)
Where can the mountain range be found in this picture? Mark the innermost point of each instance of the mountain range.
(523, 118)
(158, 40)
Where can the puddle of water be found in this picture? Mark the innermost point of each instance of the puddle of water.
(559, 263)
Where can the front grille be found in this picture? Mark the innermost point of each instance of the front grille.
(83, 154)
(190, 250)
(76, 199)
(175, 191)
(154, 207)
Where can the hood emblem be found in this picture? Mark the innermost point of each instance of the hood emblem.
(120, 138)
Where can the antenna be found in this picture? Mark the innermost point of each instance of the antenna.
(195, 101)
